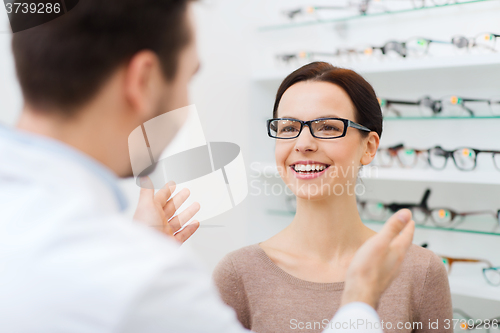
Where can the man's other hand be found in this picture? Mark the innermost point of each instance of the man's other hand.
(377, 261)
(158, 210)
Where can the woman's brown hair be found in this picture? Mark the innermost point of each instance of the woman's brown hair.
(368, 112)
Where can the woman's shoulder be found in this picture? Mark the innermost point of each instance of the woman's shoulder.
(421, 265)
(240, 261)
(418, 257)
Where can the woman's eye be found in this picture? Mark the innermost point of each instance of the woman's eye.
(328, 128)
(288, 129)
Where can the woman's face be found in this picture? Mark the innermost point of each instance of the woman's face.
(334, 162)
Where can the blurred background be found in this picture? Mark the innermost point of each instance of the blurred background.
(435, 65)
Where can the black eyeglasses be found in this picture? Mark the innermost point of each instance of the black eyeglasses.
(465, 159)
(321, 128)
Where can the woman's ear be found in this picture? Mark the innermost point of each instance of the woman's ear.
(371, 147)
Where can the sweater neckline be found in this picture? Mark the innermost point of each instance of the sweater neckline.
(335, 286)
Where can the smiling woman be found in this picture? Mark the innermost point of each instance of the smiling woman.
(269, 284)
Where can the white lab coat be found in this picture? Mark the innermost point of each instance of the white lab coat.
(70, 261)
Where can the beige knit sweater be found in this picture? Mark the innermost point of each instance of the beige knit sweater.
(269, 300)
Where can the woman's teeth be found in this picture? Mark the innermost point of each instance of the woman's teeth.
(309, 168)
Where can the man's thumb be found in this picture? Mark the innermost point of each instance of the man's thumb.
(147, 188)
(396, 223)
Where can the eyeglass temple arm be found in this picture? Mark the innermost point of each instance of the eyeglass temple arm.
(473, 260)
(393, 101)
(493, 213)
(423, 202)
(396, 147)
(438, 41)
(358, 126)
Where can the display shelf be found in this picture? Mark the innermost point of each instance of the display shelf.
(356, 17)
(473, 286)
(395, 173)
(421, 65)
(460, 230)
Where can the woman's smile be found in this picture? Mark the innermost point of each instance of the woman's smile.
(308, 169)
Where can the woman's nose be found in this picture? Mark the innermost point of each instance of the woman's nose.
(305, 141)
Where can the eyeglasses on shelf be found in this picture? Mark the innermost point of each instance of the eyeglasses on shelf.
(449, 261)
(406, 157)
(492, 275)
(485, 42)
(465, 159)
(448, 218)
(321, 128)
(379, 211)
(451, 105)
(364, 7)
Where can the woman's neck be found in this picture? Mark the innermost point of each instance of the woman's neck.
(327, 229)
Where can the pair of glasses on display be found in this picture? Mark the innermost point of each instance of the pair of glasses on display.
(321, 128)
(406, 157)
(485, 42)
(421, 213)
(419, 46)
(379, 211)
(449, 261)
(465, 159)
(491, 274)
(364, 7)
(361, 6)
(448, 218)
(447, 106)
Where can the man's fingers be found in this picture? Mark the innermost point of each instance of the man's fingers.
(176, 202)
(185, 233)
(178, 221)
(165, 193)
(395, 224)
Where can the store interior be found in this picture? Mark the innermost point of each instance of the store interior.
(435, 66)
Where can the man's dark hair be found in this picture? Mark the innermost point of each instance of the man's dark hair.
(63, 63)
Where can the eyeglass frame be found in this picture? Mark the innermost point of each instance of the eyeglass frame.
(451, 260)
(448, 153)
(347, 123)
(394, 154)
(394, 207)
(497, 269)
(454, 214)
(471, 42)
(436, 105)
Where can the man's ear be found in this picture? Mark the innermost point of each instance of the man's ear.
(371, 147)
(143, 84)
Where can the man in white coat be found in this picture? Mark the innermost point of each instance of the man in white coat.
(70, 261)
